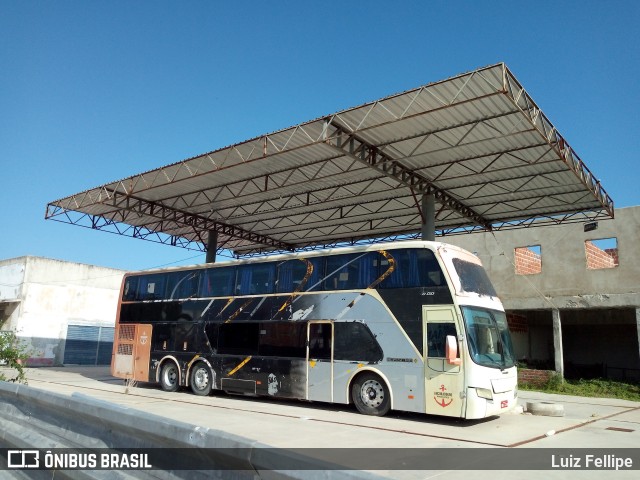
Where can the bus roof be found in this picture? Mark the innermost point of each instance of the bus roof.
(310, 254)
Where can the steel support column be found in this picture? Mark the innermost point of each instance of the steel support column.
(557, 342)
(212, 246)
(429, 217)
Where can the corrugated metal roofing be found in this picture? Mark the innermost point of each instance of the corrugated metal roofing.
(477, 142)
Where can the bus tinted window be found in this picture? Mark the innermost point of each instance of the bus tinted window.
(238, 338)
(437, 338)
(348, 272)
(320, 341)
(354, 341)
(414, 268)
(255, 279)
(218, 282)
(146, 287)
(473, 278)
(182, 284)
(283, 339)
(130, 289)
(301, 275)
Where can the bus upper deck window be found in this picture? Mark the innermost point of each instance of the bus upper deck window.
(300, 275)
(414, 268)
(256, 279)
(351, 271)
(218, 282)
(182, 285)
(130, 290)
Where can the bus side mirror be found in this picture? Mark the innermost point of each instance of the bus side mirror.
(451, 351)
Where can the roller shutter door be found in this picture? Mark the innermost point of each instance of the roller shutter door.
(87, 345)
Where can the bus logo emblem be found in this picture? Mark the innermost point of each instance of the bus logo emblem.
(442, 396)
(143, 339)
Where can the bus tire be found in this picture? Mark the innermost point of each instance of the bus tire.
(169, 377)
(201, 379)
(370, 394)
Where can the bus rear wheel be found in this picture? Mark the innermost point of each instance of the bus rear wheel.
(201, 379)
(169, 377)
(370, 395)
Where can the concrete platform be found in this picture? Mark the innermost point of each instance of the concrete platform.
(588, 422)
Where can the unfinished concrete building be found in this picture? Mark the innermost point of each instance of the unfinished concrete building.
(63, 312)
(572, 292)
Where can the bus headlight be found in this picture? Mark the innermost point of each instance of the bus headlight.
(484, 393)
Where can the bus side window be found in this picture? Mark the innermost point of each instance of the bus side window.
(218, 282)
(283, 339)
(320, 341)
(352, 271)
(130, 291)
(430, 271)
(211, 331)
(239, 338)
(354, 341)
(163, 337)
(437, 337)
(256, 279)
(182, 284)
(414, 268)
(151, 287)
(299, 275)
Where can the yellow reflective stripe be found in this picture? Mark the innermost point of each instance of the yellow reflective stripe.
(193, 360)
(238, 311)
(242, 364)
(300, 286)
(390, 269)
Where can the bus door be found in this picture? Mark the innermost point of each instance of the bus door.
(444, 380)
(320, 361)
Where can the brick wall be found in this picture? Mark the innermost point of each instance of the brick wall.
(517, 323)
(534, 377)
(598, 258)
(527, 262)
(613, 253)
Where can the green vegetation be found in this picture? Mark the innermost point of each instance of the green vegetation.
(12, 356)
(586, 388)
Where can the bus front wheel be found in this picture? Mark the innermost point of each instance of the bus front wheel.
(169, 377)
(201, 379)
(370, 395)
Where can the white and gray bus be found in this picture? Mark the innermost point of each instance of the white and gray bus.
(413, 326)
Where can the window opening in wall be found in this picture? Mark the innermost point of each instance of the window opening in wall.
(601, 253)
(528, 260)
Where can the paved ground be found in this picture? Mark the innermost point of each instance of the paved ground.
(588, 422)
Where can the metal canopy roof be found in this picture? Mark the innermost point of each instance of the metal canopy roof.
(477, 141)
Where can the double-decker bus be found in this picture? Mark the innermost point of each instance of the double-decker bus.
(413, 326)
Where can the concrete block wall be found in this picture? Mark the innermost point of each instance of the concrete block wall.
(565, 282)
(41, 297)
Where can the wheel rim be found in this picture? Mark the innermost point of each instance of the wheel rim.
(170, 375)
(201, 378)
(372, 393)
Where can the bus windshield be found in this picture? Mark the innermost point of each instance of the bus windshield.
(488, 337)
(473, 278)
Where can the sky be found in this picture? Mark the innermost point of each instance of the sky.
(92, 92)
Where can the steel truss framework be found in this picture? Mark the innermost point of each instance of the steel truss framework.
(477, 142)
